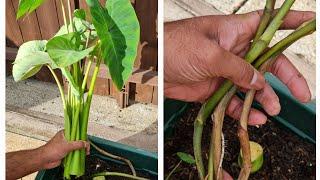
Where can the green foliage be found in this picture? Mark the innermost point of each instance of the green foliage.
(186, 157)
(30, 58)
(80, 13)
(118, 28)
(27, 6)
(78, 25)
(113, 37)
(66, 49)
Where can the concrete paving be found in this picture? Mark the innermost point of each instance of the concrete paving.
(34, 109)
(16, 142)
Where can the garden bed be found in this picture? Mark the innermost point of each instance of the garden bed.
(286, 155)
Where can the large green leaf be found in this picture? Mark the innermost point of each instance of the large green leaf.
(118, 29)
(27, 6)
(65, 50)
(29, 60)
(79, 27)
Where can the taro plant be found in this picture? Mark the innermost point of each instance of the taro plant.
(261, 56)
(110, 37)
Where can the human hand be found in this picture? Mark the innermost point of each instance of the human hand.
(201, 52)
(57, 148)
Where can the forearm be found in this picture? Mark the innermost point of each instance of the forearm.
(22, 163)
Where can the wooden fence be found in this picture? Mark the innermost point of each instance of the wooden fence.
(46, 21)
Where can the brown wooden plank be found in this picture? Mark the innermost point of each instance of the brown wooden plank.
(48, 19)
(155, 96)
(147, 14)
(13, 32)
(147, 58)
(28, 24)
(11, 53)
(59, 9)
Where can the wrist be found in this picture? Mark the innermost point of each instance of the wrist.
(41, 153)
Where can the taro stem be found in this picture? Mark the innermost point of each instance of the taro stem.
(265, 19)
(216, 155)
(208, 107)
(304, 29)
(243, 123)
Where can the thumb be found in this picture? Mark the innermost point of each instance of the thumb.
(76, 145)
(239, 71)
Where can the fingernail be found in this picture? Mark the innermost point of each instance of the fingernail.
(257, 81)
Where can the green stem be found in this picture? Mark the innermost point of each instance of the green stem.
(265, 19)
(84, 82)
(119, 175)
(173, 170)
(208, 107)
(86, 109)
(64, 15)
(59, 86)
(215, 154)
(70, 16)
(305, 29)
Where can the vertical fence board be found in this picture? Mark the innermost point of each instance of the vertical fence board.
(147, 14)
(59, 9)
(28, 24)
(48, 19)
(12, 28)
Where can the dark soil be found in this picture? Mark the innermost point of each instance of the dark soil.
(95, 165)
(286, 156)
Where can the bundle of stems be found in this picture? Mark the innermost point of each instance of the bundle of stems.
(266, 31)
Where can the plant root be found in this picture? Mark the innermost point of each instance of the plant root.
(115, 157)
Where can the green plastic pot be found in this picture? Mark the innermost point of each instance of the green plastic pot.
(143, 161)
(295, 116)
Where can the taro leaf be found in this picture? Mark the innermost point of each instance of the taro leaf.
(80, 13)
(27, 6)
(186, 157)
(118, 28)
(79, 27)
(65, 50)
(29, 60)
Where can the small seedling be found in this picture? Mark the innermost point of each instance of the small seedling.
(184, 157)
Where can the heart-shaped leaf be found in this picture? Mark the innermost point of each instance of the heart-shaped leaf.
(186, 157)
(29, 60)
(27, 6)
(79, 27)
(118, 29)
(65, 50)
